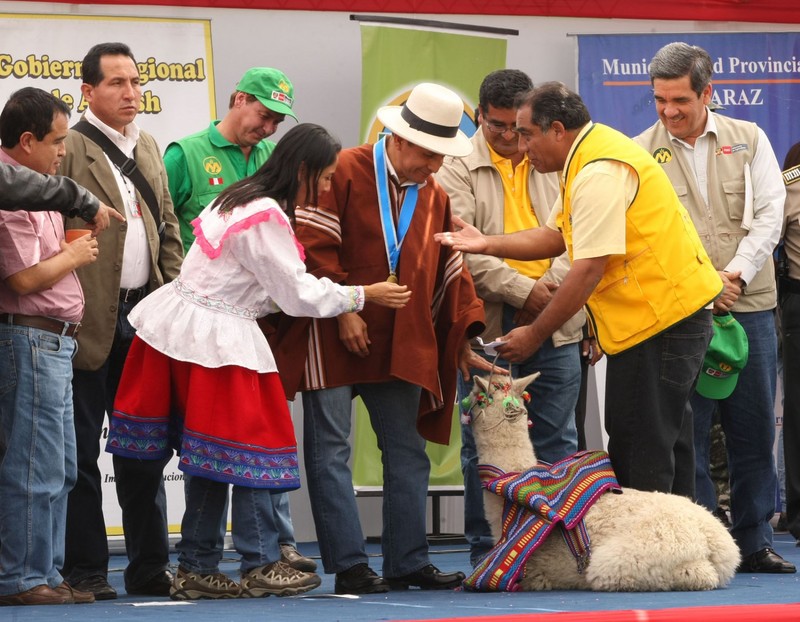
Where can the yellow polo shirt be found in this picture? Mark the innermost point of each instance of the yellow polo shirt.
(518, 213)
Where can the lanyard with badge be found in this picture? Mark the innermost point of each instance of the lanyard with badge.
(393, 238)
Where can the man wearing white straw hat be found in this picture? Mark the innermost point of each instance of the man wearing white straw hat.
(378, 222)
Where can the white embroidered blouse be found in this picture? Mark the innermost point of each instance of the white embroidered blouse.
(243, 265)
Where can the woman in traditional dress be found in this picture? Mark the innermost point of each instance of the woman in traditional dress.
(200, 377)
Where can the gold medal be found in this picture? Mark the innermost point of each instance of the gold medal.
(392, 278)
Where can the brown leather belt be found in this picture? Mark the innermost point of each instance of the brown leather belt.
(68, 329)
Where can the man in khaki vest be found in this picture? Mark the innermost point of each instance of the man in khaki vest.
(790, 325)
(715, 164)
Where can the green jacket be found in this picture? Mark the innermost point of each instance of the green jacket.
(202, 165)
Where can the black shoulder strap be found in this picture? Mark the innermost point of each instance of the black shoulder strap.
(127, 167)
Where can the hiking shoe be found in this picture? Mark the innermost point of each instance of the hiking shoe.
(188, 585)
(291, 556)
(279, 579)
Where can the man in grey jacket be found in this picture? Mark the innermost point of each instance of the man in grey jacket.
(496, 189)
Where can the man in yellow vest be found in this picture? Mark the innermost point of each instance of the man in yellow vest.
(638, 266)
(728, 179)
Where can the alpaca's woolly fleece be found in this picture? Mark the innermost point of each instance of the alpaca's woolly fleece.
(640, 541)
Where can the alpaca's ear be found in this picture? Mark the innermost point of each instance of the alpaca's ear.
(520, 384)
(481, 383)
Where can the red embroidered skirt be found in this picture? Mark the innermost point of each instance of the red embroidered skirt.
(229, 424)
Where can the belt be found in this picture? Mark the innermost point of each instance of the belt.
(67, 329)
(133, 295)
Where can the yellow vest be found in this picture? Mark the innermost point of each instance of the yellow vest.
(665, 274)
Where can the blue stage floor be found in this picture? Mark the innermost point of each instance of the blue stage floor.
(322, 605)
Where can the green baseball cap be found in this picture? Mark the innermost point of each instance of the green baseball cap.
(269, 86)
(725, 358)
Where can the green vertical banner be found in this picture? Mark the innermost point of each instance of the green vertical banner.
(394, 60)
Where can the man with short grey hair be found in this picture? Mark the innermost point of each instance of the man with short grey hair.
(726, 175)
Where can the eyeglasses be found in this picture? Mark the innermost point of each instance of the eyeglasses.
(499, 128)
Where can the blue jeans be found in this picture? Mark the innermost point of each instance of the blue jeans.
(283, 518)
(255, 534)
(748, 420)
(280, 511)
(554, 433)
(37, 455)
(392, 410)
(648, 416)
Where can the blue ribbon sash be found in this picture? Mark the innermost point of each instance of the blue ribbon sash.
(393, 237)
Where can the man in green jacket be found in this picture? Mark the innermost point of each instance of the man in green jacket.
(202, 165)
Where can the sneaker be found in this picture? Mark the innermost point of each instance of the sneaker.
(291, 556)
(188, 585)
(277, 578)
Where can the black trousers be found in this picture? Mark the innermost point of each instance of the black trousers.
(648, 416)
(790, 327)
(139, 483)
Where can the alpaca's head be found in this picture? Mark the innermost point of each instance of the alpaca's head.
(496, 411)
(497, 400)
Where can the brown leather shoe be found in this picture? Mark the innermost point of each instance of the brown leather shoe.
(39, 595)
(72, 595)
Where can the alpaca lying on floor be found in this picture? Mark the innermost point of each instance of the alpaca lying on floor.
(640, 541)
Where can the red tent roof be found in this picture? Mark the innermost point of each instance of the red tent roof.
(769, 11)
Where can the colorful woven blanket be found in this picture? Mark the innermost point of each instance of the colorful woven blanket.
(535, 502)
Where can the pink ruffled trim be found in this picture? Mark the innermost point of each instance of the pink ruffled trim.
(242, 225)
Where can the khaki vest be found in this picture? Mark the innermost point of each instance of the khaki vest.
(720, 226)
(665, 275)
(791, 219)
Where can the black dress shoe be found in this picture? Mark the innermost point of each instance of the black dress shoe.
(428, 578)
(156, 586)
(95, 584)
(360, 579)
(766, 560)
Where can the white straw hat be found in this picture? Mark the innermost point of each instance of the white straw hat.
(430, 118)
